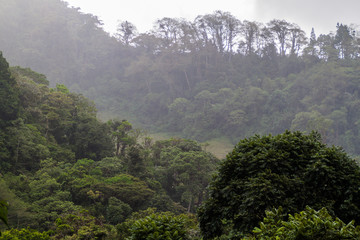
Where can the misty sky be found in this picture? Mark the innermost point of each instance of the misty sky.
(320, 14)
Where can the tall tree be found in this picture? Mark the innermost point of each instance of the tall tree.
(291, 170)
(297, 39)
(221, 27)
(311, 49)
(120, 131)
(9, 98)
(344, 41)
(327, 49)
(250, 31)
(126, 32)
(3, 212)
(169, 30)
(281, 28)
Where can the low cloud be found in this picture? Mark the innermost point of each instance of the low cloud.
(323, 15)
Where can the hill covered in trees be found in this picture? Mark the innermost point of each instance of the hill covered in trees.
(64, 171)
(66, 175)
(214, 76)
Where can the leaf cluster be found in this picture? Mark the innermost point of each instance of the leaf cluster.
(291, 170)
(307, 224)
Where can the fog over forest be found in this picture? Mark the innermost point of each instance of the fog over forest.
(214, 127)
(322, 15)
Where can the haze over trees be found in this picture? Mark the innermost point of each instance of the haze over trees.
(66, 174)
(61, 169)
(199, 79)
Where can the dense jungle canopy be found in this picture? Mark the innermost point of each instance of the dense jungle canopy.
(211, 77)
(76, 159)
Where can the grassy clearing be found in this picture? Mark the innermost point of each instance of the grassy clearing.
(161, 136)
(220, 147)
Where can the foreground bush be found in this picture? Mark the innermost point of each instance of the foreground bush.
(291, 170)
(24, 234)
(150, 225)
(308, 224)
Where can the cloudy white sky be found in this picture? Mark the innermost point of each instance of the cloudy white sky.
(320, 14)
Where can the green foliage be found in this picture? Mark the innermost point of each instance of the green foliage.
(123, 229)
(184, 170)
(14, 207)
(88, 188)
(308, 224)
(4, 212)
(90, 139)
(136, 161)
(109, 166)
(187, 77)
(134, 193)
(159, 227)
(37, 78)
(62, 88)
(291, 170)
(24, 234)
(150, 225)
(60, 159)
(9, 97)
(27, 144)
(48, 200)
(122, 178)
(79, 226)
(117, 211)
(51, 123)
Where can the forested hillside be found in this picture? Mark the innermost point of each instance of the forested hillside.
(64, 172)
(66, 175)
(214, 76)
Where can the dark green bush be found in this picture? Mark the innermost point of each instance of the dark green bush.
(308, 224)
(291, 170)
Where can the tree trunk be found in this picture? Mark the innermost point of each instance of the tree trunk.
(187, 80)
(189, 206)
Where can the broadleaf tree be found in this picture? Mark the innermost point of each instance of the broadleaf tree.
(291, 170)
